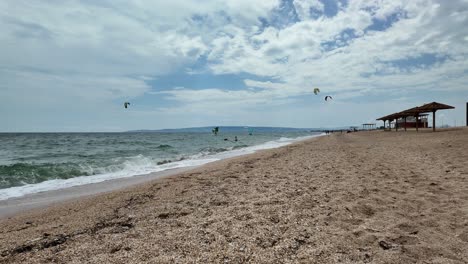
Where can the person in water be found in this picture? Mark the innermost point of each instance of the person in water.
(235, 138)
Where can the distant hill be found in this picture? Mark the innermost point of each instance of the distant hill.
(232, 129)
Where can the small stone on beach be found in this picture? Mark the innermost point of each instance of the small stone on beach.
(385, 245)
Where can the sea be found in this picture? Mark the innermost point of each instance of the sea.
(38, 162)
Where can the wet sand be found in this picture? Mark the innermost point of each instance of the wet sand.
(366, 197)
(38, 201)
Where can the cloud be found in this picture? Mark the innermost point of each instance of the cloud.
(101, 52)
(50, 91)
(304, 8)
(295, 54)
(265, 85)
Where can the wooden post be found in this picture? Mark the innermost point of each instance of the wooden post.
(405, 123)
(417, 122)
(466, 114)
(433, 120)
(396, 124)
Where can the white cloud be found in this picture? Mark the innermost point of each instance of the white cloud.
(295, 55)
(87, 51)
(51, 91)
(265, 85)
(303, 8)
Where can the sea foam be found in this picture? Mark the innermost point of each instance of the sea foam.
(140, 165)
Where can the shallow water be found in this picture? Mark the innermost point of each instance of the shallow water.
(31, 162)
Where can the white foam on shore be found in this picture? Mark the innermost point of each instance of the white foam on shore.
(141, 166)
(267, 145)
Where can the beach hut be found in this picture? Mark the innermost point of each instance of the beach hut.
(390, 119)
(432, 108)
(368, 126)
(416, 112)
(410, 121)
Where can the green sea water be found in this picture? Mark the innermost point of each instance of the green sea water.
(32, 162)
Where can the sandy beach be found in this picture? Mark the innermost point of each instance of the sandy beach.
(366, 197)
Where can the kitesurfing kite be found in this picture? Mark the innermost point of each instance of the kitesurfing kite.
(215, 131)
(126, 104)
(328, 97)
(316, 91)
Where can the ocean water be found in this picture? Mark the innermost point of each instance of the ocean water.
(31, 163)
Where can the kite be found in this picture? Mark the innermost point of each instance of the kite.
(328, 97)
(316, 91)
(126, 104)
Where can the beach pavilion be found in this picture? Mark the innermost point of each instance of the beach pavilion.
(415, 112)
(368, 126)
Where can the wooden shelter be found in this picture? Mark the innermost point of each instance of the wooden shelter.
(416, 112)
(410, 121)
(368, 126)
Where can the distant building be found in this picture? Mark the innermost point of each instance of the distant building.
(411, 122)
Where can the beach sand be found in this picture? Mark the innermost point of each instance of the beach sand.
(366, 197)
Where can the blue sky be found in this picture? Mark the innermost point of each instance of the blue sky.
(70, 65)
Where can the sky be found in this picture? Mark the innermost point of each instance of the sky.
(68, 66)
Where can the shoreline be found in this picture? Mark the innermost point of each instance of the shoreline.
(367, 197)
(36, 201)
(39, 200)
